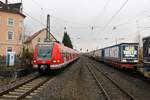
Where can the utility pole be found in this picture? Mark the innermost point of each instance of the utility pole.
(6, 1)
(116, 40)
(48, 27)
(65, 29)
(138, 32)
(114, 28)
(48, 32)
(47, 39)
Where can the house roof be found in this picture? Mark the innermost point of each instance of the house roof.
(16, 6)
(12, 11)
(36, 34)
(12, 8)
(1, 3)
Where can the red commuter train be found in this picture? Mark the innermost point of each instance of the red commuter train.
(51, 56)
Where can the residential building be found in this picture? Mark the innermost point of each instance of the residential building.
(37, 37)
(11, 27)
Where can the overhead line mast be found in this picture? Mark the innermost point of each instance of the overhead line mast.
(48, 31)
(48, 28)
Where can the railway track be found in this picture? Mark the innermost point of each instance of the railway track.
(25, 90)
(111, 89)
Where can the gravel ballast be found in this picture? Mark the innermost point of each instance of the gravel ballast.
(137, 87)
(74, 83)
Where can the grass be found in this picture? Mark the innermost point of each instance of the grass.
(5, 80)
(9, 68)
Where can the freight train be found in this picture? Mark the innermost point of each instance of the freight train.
(144, 67)
(124, 55)
(52, 56)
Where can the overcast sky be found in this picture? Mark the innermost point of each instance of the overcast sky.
(80, 15)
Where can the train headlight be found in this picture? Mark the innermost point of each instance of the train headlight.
(54, 61)
(135, 60)
(124, 60)
(34, 61)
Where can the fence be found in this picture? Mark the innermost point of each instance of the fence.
(19, 62)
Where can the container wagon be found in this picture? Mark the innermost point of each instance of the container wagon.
(145, 68)
(98, 55)
(124, 55)
(146, 52)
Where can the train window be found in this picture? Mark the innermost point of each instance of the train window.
(63, 54)
(44, 52)
(71, 55)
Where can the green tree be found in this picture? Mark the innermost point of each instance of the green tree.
(67, 41)
(26, 56)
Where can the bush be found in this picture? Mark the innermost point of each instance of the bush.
(27, 57)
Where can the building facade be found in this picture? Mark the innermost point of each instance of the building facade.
(11, 28)
(37, 37)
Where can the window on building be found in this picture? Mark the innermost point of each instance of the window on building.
(9, 49)
(0, 20)
(20, 37)
(10, 21)
(9, 35)
(39, 40)
(21, 24)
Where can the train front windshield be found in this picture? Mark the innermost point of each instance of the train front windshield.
(44, 51)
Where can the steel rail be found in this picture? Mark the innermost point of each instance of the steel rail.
(98, 83)
(31, 90)
(27, 92)
(115, 83)
(12, 88)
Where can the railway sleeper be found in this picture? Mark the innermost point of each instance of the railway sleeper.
(25, 88)
(28, 97)
(20, 90)
(10, 96)
(16, 93)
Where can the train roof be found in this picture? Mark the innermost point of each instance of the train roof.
(50, 43)
(114, 46)
(148, 37)
(121, 44)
